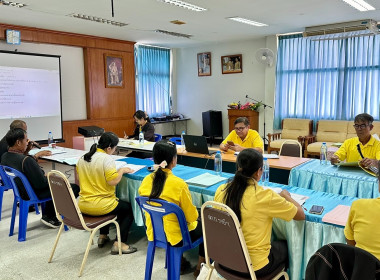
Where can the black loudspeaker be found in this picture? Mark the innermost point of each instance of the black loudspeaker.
(212, 124)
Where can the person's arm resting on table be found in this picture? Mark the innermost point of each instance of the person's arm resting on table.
(300, 215)
(339, 155)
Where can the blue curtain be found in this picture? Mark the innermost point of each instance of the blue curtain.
(152, 80)
(327, 77)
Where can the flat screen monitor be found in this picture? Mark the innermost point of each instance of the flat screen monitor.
(30, 90)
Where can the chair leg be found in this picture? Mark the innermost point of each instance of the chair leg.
(11, 229)
(86, 253)
(23, 220)
(56, 242)
(149, 260)
(37, 209)
(118, 237)
(1, 199)
(174, 265)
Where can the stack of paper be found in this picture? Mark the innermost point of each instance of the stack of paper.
(205, 180)
(338, 215)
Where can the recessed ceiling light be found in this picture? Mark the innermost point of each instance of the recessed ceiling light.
(247, 21)
(98, 19)
(12, 4)
(175, 34)
(184, 5)
(360, 5)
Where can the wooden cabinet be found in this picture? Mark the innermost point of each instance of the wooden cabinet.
(253, 117)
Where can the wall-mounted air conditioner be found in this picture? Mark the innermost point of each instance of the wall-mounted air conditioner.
(366, 24)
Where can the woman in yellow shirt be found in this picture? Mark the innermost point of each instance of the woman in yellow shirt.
(162, 184)
(255, 208)
(98, 178)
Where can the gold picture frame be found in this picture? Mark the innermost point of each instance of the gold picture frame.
(114, 71)
(232, 64)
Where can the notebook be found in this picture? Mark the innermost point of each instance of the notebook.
(196, 144)
(337, 216)
(205, 180)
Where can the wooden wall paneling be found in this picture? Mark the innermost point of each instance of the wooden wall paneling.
(118, 126)
(109, 102)
(39, 35)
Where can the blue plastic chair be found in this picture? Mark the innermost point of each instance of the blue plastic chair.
(12, 174)
(176, 140)
(6, 185)
(173, 254)
(157, 137)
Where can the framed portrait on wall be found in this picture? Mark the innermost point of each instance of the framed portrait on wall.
(113, 71)
(204, 64)
(232, 64)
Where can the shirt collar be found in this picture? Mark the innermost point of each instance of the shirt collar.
(100, 150)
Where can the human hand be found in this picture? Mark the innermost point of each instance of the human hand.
(126, 170)
(285, 194)
(224, 147)
(237, 148)
(334, 159)
(44, 153)
(367, 162)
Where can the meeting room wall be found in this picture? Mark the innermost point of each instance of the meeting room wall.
(194, 95)
(72, 75)
(87, 100)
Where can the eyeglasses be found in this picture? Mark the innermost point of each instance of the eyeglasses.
(361, 126)
(240, 128)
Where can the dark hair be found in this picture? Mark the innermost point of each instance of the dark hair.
(108, 139)
(17, 124)
(141, 115)
(248, 162)
(13, 135)
(242, 120)
(364, 118)
(162, 150)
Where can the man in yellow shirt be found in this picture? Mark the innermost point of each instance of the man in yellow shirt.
(369, 147)
(242, 137)
(362, 226)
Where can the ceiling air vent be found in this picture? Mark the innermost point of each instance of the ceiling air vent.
(367, 24)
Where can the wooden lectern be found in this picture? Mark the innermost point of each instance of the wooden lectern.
(253, 117)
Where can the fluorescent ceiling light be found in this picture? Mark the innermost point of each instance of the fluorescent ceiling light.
(360, 5)
(98, 19)
(247, 21)
(175, 34)
(184, 5)
(12, 4)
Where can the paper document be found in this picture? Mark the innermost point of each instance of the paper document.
(297, 197)
(54, 151)
(134, 167)
(205, 180)
(270, 156)
(352, 164)
(338, 215)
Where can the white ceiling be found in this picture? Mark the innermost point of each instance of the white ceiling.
(211, 26)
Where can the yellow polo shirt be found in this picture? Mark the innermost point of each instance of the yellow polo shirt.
(349, 151)
(96, 196)
(177, 191)
(258, 208)
(252, 140)
(363, 225)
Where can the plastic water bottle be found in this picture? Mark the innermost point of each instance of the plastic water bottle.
(265, 176)
(182, 140)
(323, 155)
(141, 138)
(218, 163)
(50, 139)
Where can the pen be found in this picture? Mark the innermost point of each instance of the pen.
(304, 208)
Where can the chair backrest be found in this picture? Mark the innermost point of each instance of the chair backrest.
(157, 209)
(12, 174)
(342, 261)
(331, 131)
(176, 140)
(223, 238)
(64, 200)
(4, 180)
(291, 148)
(293, 128)
(157, 137)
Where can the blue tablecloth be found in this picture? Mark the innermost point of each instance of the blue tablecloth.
(351, 181)
(303, 237)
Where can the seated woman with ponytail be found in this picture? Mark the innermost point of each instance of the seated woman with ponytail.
(162, 184)
(98, 178)
(255, 208)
